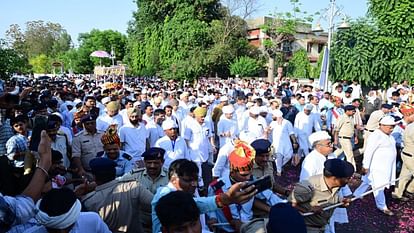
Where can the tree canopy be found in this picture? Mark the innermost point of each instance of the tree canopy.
(377, 50)
(185, 39)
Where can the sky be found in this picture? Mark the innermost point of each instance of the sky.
(78, 16)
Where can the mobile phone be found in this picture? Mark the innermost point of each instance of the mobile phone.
(261, 184)
(39, 123)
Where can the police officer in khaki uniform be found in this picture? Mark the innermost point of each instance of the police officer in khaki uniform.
(263, 166)
(86, 145)
(153, 175)
(321, 191)
(407, 156)
(119, 203)
(345, 131)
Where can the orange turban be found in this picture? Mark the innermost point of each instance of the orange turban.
(241, 158)
(111, 136)
(407, 109)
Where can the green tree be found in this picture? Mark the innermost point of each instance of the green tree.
(299, 65)
(80, 61)
(378, 50)
(11, 61)
(171, 38)
(281, 29)
(244, 67)
(41, 64)
(39, 38)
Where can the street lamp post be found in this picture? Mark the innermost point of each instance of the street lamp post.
(330, 13)
(112, 56)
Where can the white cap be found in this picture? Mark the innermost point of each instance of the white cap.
(255, 110)
(224, 98)
(263, 109)
(317, 136)
(137, 103)
(169, 124)
(309, 107)
(247, 136)
(228, 109)
(388, 120)
(105, 100)
(277, 113)
(249, 104)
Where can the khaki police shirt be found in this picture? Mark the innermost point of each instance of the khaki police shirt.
(120, 204)
(258, 172)
(409, 139)
(141, 175)
(374, 119)
(86, 146)
(321, 196)
(345, 126)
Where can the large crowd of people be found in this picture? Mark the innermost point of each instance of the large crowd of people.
(155, 155)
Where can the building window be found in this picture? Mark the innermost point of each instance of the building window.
(320, 47)
(309, 48)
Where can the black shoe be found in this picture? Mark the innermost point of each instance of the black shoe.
(402, 198)
(408, 195)
(387, 212)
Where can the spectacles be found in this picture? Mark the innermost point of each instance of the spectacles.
(326, 145)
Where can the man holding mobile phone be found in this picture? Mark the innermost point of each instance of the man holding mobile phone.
(241, 166)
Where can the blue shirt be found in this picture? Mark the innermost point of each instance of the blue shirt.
(204, 204)
(18, 144)
(123, 165)
(19, 210)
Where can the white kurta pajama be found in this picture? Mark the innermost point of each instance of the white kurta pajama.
(281, 142)
(224, 126)
(305, 125)
(380, 159)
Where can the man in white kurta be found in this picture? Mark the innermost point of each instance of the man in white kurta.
(282, 135)
(305, 124)
(133, 135)
(111, 117)
(227, 128)
(175, 146)
(256, 124)
(199, 139)
(154, 128)
(379, 163)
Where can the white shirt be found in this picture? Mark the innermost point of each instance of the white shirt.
(198, 137)
(173, 150)
(256, 126)
(104, 121)
(225, 126)
(124, 114)
(221, 167)
(304, 124)
(134, 139)
(313, 164)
